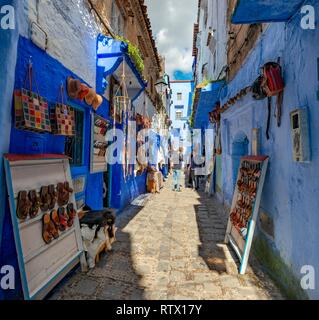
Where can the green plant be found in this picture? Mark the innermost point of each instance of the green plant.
(134, 54)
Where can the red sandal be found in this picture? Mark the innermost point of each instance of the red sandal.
(63, 219)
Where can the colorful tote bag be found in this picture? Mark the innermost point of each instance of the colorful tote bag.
(62, 117)
(30, 109)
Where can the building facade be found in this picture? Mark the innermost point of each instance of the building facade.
(63, 39)
(286, 238)
(210, 41)
(180, 109)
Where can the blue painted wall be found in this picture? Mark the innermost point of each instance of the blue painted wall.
(49, 74)
(291, 189)
(207, 101)
(8, 53)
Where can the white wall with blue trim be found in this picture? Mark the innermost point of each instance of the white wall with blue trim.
(291, 189)
(72, 37)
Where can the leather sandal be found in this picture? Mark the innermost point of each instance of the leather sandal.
(45, 199)
(63, 195)
(72, 214)
(36, 204)
(53, 195)
(63, 219)
(55, 231)
(23, 205)
(55, 219)
(67, 187)
(47, 229)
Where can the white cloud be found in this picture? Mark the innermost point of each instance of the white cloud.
(172, 24)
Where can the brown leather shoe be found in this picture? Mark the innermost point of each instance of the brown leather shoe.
(23, 205)
(67, 187)
(36, 204)
(63, 219)
(53, 195)
(72, 214)
(47, 229)
(55, 219)
(63, 195)
(45, 199)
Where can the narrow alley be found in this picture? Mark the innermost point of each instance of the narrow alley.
(159, 150)
(173, 249)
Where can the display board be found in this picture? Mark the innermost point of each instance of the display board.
(40, 189)
(245, 206)
(99, 128)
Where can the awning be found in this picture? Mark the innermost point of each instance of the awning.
(113, 59)
(258, 11)
(208, 97)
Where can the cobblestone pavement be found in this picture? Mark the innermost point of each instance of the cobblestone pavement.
(170, 249)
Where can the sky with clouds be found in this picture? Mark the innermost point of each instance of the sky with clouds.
(172, 24)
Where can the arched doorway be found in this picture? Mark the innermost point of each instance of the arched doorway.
(239, 149)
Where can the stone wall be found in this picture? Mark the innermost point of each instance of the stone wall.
(241, 39)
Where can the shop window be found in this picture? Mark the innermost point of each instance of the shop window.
(179, 96)
(179, 115)
(74, 145)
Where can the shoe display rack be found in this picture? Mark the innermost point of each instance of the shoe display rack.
(45, 221)
(99, 126)
(245, 206)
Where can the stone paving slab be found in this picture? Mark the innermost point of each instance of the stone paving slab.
(172, 248)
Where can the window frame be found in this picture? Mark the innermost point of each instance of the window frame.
(81, 109)
(181, 115)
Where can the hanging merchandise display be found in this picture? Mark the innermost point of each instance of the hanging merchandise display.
(273, 85)
(99, 145)
(245, 206)
(62, 116)
(93, 99)
(121, 108)
(30, 109)
(45, 221)
(268, 85)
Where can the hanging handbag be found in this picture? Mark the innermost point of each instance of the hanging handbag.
(273, 81)
(62, 117)
(273, 85)
(30, 109)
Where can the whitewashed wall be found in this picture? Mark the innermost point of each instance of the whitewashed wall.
(216, 20)
(72, 32)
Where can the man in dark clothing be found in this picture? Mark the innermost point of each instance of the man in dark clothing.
(177, 171)
(194, 174)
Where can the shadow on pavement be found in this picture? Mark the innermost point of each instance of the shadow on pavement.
(113, 278)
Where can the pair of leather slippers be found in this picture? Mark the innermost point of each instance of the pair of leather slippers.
(63, 191)
(29, 204)
(57, 221)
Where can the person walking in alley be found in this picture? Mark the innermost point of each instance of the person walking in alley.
(193, 173)
(177, 163)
